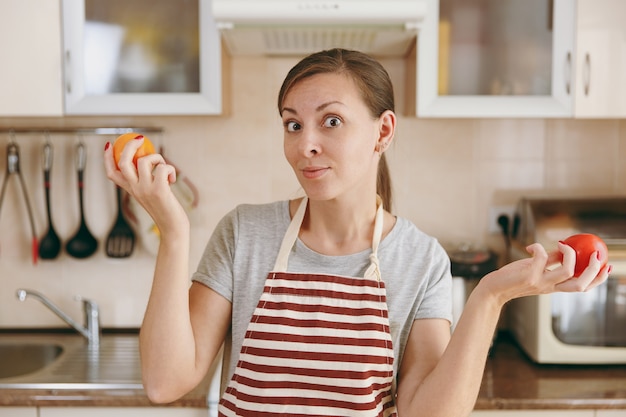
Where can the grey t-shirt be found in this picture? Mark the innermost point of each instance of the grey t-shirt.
(243, 249)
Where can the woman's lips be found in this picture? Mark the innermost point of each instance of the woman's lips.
(314, 172)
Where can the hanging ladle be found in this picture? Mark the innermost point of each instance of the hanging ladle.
(83, 244)
(50, 244)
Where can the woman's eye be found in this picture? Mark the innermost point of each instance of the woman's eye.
(292, 126)
(332, 121)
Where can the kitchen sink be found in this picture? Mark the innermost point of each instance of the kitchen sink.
(23, 358)
(67, 361)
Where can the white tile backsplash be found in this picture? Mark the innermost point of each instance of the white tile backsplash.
(446, 175)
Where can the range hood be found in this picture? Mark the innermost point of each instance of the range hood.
(292, 27)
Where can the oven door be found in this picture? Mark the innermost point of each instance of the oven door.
(593, 318)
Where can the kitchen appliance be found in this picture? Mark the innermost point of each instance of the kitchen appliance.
(295, 27)
(468, 264)
(573, 328)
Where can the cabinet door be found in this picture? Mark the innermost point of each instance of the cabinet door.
(18, 411)
(601, 59)
(141, 57)
(30, 44)
(495, 58)
(122, 412)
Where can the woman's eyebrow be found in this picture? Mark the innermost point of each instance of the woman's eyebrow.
(318, 108)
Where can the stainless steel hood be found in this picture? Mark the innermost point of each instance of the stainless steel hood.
(291, 27)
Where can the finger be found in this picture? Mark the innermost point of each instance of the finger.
(560, 265)
(109, 166)
(125, 163)
(109, 163)
(592, 270)
(164, 174)
(567, 257)
(599, 279)
(539, 257)
(147, 164)
(577, 285)
(591, 277)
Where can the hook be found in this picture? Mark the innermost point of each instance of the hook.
(12, 137)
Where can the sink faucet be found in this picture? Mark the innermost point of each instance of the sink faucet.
(91, 331)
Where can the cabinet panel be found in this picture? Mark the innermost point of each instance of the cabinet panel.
(601, 59)
(18, 412)
(474, 59)
(122, 412)
(30, 44)
(142, 57)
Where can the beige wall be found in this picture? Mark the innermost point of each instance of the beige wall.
(447, 173)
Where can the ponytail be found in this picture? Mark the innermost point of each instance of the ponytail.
(383, 183)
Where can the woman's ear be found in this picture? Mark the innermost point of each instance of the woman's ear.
(387, 128)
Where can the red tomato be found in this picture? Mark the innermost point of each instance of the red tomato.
(585, 244)
(146, 147)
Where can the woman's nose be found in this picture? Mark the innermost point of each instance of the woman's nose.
(310, 144)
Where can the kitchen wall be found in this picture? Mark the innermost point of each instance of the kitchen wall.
(447, 174)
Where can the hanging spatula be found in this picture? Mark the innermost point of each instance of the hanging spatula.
(121, 240)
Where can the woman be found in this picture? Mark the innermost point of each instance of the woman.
(328, 304)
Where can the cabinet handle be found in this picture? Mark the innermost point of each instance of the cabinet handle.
(587, 73)
(68, 78)
(568, 72)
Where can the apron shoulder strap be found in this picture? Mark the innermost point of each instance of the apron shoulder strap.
(291, 235)
(373, 271)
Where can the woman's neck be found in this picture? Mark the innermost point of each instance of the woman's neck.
(337, 228)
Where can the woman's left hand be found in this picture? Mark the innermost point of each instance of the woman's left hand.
(544, 273)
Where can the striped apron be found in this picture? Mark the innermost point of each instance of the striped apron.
(317, 345)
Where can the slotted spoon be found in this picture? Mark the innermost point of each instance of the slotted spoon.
(121, 239)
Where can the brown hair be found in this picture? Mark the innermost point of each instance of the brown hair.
(373, 82)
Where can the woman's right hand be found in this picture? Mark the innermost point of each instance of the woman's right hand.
(149, 183)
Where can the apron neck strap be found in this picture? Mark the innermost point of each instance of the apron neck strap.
(290, 237)
(293, 230)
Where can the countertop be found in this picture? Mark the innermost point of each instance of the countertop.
(511, 381)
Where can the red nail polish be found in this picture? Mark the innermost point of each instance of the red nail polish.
(138, 137)
(561, 242)
(608, 271)
(107, 145)
(598, 255)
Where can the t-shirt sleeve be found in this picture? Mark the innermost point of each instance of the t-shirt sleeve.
(437, 301)
(215, 269)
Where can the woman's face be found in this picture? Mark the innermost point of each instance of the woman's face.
(330, 137)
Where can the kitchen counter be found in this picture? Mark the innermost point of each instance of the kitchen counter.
(511, 381)
(98, 398)
(108, 375)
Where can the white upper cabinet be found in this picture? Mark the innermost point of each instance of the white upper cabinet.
(141, 57)
(30, 44)
(496, 58)
(601, 59)
(522, 58)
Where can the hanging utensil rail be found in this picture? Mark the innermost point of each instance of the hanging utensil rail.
(81, 131)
